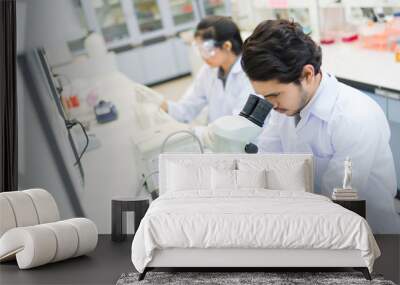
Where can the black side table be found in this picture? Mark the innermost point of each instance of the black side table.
(357, 206)
(119, 207)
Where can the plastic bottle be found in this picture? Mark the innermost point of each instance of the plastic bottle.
(397, 51)
(95, 45)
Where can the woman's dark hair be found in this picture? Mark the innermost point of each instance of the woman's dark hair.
(220, 29)
(278, 50)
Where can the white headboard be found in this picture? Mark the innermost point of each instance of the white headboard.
(211, 158)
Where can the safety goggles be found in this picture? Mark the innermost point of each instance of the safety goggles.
(206, 49)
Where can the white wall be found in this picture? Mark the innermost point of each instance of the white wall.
(37, 167)
(51, 24)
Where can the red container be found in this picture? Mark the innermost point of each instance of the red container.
(327, 41)
(74, 100)
(350, 38)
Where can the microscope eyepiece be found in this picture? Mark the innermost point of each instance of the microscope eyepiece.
(260, 112)
(256, 110)
(250, 105)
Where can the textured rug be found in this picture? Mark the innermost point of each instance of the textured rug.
(243, 278)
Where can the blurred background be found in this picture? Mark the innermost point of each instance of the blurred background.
(88, 51)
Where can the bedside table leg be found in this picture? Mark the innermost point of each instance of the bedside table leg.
(117, 221)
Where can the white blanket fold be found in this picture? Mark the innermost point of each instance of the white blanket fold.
(255, 218)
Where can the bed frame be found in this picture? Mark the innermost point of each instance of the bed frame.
(240, 259)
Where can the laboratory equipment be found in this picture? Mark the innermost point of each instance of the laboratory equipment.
(397, 51)
(304, 12)
(105, 112)
(235, 133)
(111, 20)
(206, 49)
(334, 26)
(381, 34)
(152, 127)
(95, 45)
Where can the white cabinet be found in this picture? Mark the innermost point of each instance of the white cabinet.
(391, 108)
(394, 110)
(128, 27)
(392, 98)
(395, 146)
(123, 22)
(154, 63)
(381, 100)
(131, 63)
(394, 123)
(159, 62)
(181, 55)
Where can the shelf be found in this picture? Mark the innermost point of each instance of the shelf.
(149, 20)
(138, 2)
(183, 19)
(115, 5)
(119, 43)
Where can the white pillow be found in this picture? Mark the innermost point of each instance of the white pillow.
(251, 178)
(292, 179)
(223, 179)
(193, 174)
(281, 174)
(226, 179)
(181, 177)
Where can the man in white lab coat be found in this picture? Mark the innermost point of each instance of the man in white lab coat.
(221, 84)
(313, 112)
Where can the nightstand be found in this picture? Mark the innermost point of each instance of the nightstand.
(119, 207)
(357, 206)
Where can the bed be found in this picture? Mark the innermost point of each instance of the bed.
(246, 210)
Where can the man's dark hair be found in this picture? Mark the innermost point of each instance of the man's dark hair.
(278, 50)
(220, 29)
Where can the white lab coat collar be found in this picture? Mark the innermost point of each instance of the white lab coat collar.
(322, 103)
(237, 67)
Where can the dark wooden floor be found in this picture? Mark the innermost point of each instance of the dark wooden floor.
(102, 266)
(110, 260)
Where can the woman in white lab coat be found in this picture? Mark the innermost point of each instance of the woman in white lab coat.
(221, 84)
(315, 113)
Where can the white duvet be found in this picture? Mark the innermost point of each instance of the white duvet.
(255, 218)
